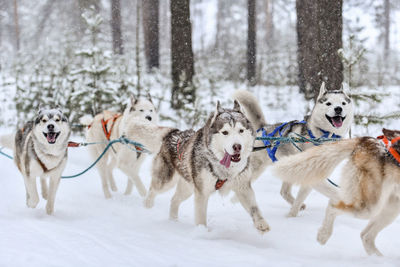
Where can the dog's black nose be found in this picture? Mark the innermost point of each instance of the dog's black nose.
(148, 118)
(237, 148)
(338, 110)
(50, 127)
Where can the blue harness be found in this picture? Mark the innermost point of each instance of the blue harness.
(281, 129)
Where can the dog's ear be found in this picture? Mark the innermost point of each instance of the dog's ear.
(40, 110)
(218, 110)
(134, 99)
(236, 106)
(390, 134)
(322, 90)
(148, 96)
(58, 108)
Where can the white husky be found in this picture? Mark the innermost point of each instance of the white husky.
(331, 117)
(110, 125)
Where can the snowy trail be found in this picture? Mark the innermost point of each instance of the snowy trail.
(88, 230)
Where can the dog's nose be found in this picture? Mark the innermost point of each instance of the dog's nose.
(237, 148)
(50, 127)
(148, 118)
(338, 110)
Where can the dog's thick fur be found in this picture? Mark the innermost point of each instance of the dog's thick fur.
(138, 111)
(40, 150)
(369, 186)
(193, 160)
(328, 105)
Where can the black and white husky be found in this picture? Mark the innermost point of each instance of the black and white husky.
(40, 150)
(214, 158)
(331, 117)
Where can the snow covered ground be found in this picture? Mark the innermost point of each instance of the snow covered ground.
(88, 230)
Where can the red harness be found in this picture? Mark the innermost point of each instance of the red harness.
(105, 122)
(388, 144)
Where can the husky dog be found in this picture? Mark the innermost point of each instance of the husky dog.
(40, 150)
(214, 158)
(331, 117)
(370, 182)
(110, 125)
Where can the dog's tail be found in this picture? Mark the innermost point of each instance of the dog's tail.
(7, 141)
(315, 164)
(251, 107)
(86, 120)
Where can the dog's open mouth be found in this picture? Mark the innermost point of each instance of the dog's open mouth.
(51, 137)
(336, 121)
(226, 160)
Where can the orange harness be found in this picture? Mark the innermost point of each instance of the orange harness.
(388, 144)
(105, 122)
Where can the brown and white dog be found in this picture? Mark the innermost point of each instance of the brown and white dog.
(369, 186)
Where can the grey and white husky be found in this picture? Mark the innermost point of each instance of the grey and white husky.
(111, 125)
(331, 117)
(40, 150)
(214, 158)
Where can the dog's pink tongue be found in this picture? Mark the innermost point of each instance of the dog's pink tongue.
(51, 138)
(226, 161)
(337, 121)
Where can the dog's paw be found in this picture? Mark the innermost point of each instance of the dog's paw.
(323, 236)
(142, 192)
(262, 226)
(32, 202)
(49, 209)
(148, 203)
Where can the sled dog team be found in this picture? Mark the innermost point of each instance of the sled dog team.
(220, 157)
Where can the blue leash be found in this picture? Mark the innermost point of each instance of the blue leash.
(272, 148)
(123, 140)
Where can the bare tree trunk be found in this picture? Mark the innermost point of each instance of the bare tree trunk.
(319, 36)
(118, 46)
(269, 22)
(182, 67)
(151, 32)
(137, 48)
(251, 42)
(387, 29)
(16, 24)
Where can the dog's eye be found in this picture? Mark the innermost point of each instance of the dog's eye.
(225, 132)
(344, 103)
(151, 110)
(44, 120)
(241, 131)
(57, 120)
(141, 110)
(329, 103)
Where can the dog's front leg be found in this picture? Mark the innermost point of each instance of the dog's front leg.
(200, 207)
(32, 196)
(247, 198)
(53, 186)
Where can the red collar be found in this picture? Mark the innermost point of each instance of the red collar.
(389, 146)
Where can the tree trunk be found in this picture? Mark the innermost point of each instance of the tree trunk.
(251, 42)
(151, 32)
(16, 24)
(319, 36)
(269, 22)
(182, 62)
(118, 47)
(387, 29)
